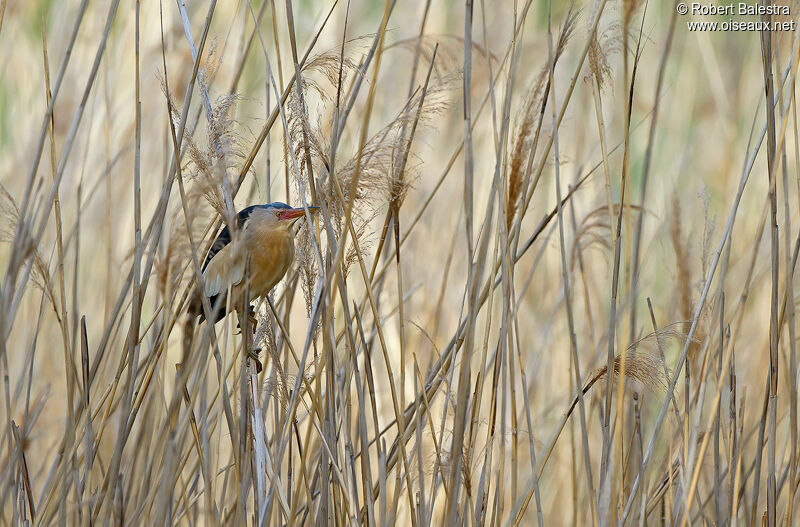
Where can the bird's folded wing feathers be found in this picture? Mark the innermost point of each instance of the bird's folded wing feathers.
(224, 238)
(224, 270)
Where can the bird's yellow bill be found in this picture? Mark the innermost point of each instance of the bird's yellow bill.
(296, 213)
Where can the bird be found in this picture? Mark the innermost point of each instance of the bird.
(266, 237)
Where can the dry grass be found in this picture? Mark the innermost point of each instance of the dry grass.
(535, 294)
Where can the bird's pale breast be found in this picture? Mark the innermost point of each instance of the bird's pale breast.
(271, 254)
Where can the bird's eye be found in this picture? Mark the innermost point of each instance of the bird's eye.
(278, 214)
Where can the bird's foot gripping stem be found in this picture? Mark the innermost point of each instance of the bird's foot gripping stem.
(253, 355)
(251, 318)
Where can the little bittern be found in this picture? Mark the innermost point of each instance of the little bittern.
(265, 237)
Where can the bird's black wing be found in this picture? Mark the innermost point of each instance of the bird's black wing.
(222, 240)
(224, 237)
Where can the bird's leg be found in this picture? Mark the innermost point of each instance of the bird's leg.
(251, 316)
(253, 354)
